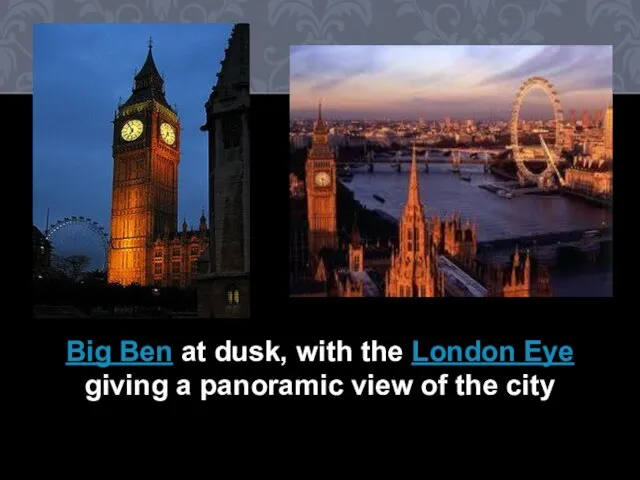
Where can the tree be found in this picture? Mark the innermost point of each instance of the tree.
(95, 276)
(75, 265)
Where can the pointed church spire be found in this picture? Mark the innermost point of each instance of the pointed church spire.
(320, 125)
(203, 222)
(414, 185)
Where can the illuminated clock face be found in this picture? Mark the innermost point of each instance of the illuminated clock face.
(132, 130)
(168, 133)
(323, 179)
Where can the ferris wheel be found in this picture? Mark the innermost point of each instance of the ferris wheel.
(80, 236)
(550, 170)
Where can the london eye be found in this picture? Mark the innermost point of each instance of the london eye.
(523, 171)
(79, 236)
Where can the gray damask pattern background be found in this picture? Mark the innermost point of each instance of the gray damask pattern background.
(277, 24)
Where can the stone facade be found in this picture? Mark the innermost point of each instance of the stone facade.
(177, 256)
(224, 290)
(516, 279)
(589, 176)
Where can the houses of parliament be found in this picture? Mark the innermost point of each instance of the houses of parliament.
(415, 265)
(147, 247)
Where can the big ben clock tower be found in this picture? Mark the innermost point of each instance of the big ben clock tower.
(146, 153)
(321, 192)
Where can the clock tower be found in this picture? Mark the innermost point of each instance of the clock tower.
(146, 153)
(321, 192)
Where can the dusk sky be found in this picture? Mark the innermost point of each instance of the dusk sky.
(405, 82)
(79, 73)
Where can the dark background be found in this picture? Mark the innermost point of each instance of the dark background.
(592, 326)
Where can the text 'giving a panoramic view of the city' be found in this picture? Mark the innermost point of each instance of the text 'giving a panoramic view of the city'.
(451, 171)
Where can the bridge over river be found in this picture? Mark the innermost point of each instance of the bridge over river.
(454, 157)
(545, 247)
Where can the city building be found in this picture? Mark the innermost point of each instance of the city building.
(516, 279)
(300, 140)
(608, 132)
(176, 255)
(145, 247)
(568, 137)
(590, 176)
(456, 239)
(224, 288)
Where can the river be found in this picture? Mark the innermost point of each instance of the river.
(443, 192)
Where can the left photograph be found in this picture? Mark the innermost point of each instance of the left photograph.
(141, 170)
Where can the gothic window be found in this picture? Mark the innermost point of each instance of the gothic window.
(195, 251)
(231, 130)
(233, 295)
(175, 267)
(157, 268)
(194, 267)
(176, 252)
(158, 253)
(356, 263)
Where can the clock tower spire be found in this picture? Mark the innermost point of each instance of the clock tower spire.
(321, 192)
(146, 154)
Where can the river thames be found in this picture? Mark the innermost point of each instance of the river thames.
(444, 193)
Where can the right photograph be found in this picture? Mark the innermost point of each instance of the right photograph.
(451, 171)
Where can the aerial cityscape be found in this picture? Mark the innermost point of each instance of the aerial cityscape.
(420, 171)
(136, 228)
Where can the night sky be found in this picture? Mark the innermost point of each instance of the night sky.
(80, 71)
(405, 82)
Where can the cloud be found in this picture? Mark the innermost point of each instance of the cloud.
(556, 62)
(327, 67)
(402, 80)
